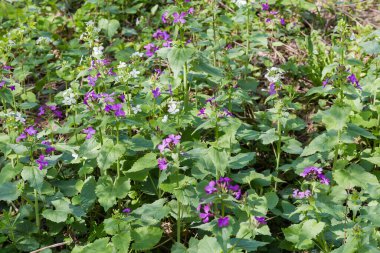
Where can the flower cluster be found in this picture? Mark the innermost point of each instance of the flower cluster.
(52, 108)
(352, 79)
(223, 184)
(315, 173)
(49, 149)
(42, 162)
(310, 173)
(27, 131)
(167, 145)
(271, 14)
(274, 76)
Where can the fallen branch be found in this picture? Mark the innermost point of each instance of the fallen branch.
(50, 246)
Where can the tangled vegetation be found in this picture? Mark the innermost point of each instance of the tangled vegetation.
(189, 126)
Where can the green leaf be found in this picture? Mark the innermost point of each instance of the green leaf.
(241, 160)
(208, 245)
(219, 159)
(375, 160)
(122, 241)
(9, 191)
(269, 136)
(353, 176)
(89, 149)
(62, 210)
(292, 146)
(108, 192)
(336, 117)
(146, 238)
(142, 166)
(302, 234)
(247, 244)
(110, 26)
(177, 58)
(109, 153)
(100, 245)
(87, 194)
(8, 172)
(151, 214)
(178, 248)
(272, 199)
(321, 143)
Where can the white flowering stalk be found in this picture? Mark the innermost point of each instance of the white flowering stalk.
(274, 74)
(43, 40)
(136, 109)
(122, 65)
(137, 54)
(165, 119)
(134, 73)
(97, 52)
(240, 3)
(69, 97)
(173, 107)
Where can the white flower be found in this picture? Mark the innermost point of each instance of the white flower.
(173, 107)
(134, 73)
(274, 74)
(136, 109)
(90, 23)
(75, 155)
(352, 37)
(122, 65)
(165, 119)
(68, 97)
(137, 54)
(43, 40)
(19, 117)
(11, 43)
(240, 3)
(97, 52)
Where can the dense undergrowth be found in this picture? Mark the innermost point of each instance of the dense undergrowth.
(189, 126)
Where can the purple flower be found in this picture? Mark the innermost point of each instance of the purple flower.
(90, 132)
(12, 87)
(2, 84)
(311, 171)
(205, 216)
(210, 188)
(150, 49)
(167, 43)
(282, 21)
(202, 112)
(163, 35)
(162, 163)
(31, 131)
(227, 113)
(209, 100)
(119, 113)
(41, 111)
(352, 79)
(5, 67)
(122, 98)
(49, 148)
(268, 20)
(156, 92)
(323, 179)
(223, 221)
(164, 17)
(179, 18)
(21, 137)
(265, 7)
(190, 11)
(325, 82)
(301, 194)
(42, 162)
(108, 108)
(175, 139)
(158, 71)
(272, 89)
(126, 210)
(261, 220)
(92, 80)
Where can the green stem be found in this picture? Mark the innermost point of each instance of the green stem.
(36, 209)
(185, 87)
(336, 151)
(117, 142)
(178, 212)
(279, 130)
(213, 30)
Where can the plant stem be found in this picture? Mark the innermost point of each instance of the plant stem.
(278, 151)
(178, 212)
(36, 209)
(336, 151)
(185, 87)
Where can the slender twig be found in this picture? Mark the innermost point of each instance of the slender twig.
(50, 246)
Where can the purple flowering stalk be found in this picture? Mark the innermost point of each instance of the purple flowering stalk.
(261, 220)
(207, 213)
(223, 221)
(352, 79)
(90, 132)
(42, 163)
(224, 185)
(315, 173)
(169, 143)
(298, 194)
